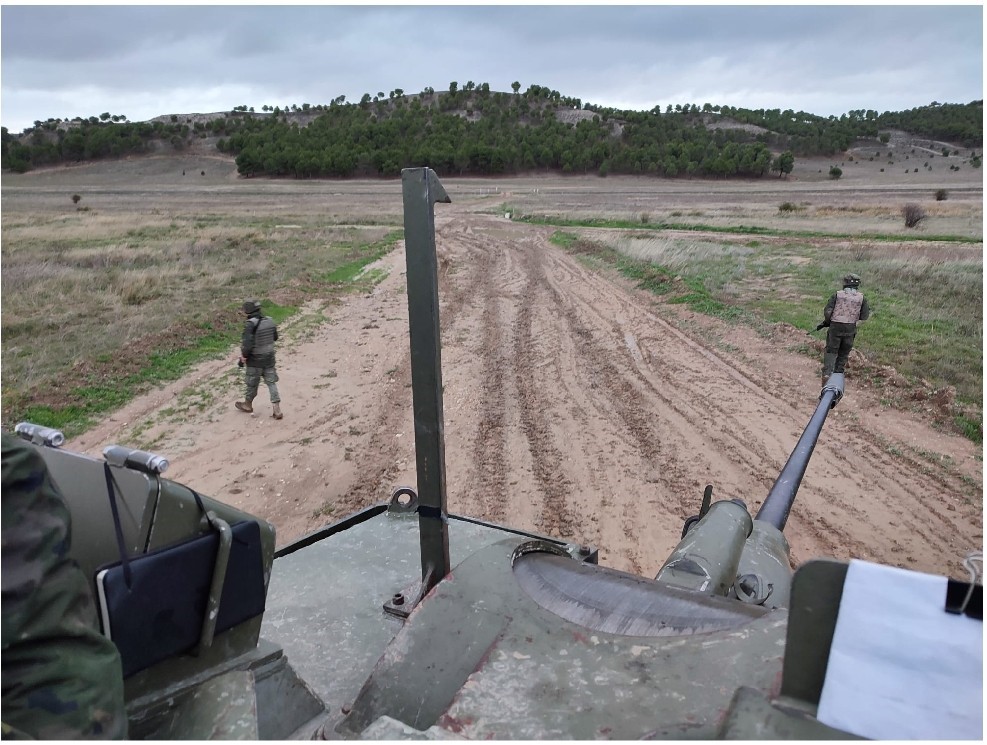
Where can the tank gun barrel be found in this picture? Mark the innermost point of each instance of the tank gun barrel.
(779, 501)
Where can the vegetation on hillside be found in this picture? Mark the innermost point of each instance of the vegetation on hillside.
(475, 131)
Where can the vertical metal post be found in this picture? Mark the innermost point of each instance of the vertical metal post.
(421, 190)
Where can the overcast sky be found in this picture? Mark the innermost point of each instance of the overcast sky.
(145, 61)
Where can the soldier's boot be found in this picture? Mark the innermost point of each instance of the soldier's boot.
(825, 379)
(244, 406)
(277, 411)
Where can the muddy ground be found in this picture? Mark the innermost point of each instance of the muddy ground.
(575, 406)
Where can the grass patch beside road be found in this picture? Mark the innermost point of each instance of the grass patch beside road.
(88, 324)
(737, 230)
(926, 300)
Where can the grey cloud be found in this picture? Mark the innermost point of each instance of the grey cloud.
(632, 56)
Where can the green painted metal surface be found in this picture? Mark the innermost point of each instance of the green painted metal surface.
(481, 659)
(421, 190)
(325, 601)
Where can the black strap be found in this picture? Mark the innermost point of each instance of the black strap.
(110, 481)
(198, 500)
(202, 507)
(118, 527)
(254, 332)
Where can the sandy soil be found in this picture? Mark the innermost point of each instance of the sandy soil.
(575, 406)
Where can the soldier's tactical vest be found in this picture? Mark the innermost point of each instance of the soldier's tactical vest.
(847, 308)
(263, 339)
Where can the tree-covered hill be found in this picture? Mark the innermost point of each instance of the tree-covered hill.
(475, 131)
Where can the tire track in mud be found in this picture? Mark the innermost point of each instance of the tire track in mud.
(535, 287)
(734, 440)
(377, 462)
(896, 489)
(516, 398)
(552, 348)
(621, 393)
(633, 386)
(556, 516)
(627, 398)
(657, 382)
(488, 476)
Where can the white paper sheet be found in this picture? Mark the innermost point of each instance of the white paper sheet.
(900, 667)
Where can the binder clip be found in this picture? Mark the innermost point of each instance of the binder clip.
(967, 598)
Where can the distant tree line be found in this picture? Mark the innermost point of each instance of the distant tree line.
(508, 137)
(471, 130)
(962, 123)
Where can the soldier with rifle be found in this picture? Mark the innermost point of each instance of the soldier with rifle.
(257, 355)
(843, 312)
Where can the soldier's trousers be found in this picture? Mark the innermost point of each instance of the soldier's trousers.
(253, 377)
(839, 342)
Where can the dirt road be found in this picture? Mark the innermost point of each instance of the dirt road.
(575, 406)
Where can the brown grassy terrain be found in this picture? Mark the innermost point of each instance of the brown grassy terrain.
(577, 403)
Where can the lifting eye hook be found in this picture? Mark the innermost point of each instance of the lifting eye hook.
(749, 589)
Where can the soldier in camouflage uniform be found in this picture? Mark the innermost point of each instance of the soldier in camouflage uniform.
(843, 312)
(62, 678)
(257, 353)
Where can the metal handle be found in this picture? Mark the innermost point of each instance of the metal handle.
(218, 578)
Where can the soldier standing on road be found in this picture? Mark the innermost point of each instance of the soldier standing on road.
(62, 679)
(257, 354)
(843, 312)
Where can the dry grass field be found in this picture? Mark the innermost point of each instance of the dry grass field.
(609, 348)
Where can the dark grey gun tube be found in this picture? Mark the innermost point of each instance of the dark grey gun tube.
(779, 501)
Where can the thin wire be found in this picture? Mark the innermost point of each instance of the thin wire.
(971, 562)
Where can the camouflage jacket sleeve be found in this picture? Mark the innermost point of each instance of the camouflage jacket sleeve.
(62, 678)
(828, 311)
(247, 339)
(864, 310)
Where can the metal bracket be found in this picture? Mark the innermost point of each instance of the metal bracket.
(402, 603)
(703, 509)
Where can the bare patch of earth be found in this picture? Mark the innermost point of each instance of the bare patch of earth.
(575, 406)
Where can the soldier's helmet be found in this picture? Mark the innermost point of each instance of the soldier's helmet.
(851, 280)
(251, 306)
